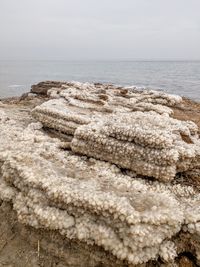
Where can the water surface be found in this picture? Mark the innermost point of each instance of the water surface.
(179, 77)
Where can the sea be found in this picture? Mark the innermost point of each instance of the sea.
(177, 77)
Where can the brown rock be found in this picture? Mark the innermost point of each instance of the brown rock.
(43, 87)
(185, 262)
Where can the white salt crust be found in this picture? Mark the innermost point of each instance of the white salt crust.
(130, 128)
(93, 201)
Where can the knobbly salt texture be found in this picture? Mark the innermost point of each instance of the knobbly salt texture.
(93, 201)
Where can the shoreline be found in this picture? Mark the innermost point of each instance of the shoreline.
(188, 110)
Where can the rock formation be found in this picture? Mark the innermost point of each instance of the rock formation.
(87, 199)
(149, 144)
(42, 87)
(147, 141)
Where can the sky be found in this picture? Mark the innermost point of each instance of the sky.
(100, 29)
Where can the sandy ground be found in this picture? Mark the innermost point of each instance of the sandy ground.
(188, 110)
(22, 246)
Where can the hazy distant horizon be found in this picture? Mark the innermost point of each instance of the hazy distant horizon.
(107, 59)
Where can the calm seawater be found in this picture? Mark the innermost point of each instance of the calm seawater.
(179, 77)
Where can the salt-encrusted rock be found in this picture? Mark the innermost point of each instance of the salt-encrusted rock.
(3, 116)
(92, 201)
(84, 102)
(147, 143)
(58, 115)
(102, 99)
(117, 98)
(43, 87)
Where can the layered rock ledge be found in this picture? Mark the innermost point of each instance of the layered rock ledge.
(108, 173)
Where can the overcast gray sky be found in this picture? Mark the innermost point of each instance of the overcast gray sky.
(99, 29)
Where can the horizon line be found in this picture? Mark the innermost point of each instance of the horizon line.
(120, 59)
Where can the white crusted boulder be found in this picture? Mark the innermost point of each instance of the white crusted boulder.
(147, 143)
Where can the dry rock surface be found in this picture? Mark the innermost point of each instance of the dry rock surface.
(99, 175)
